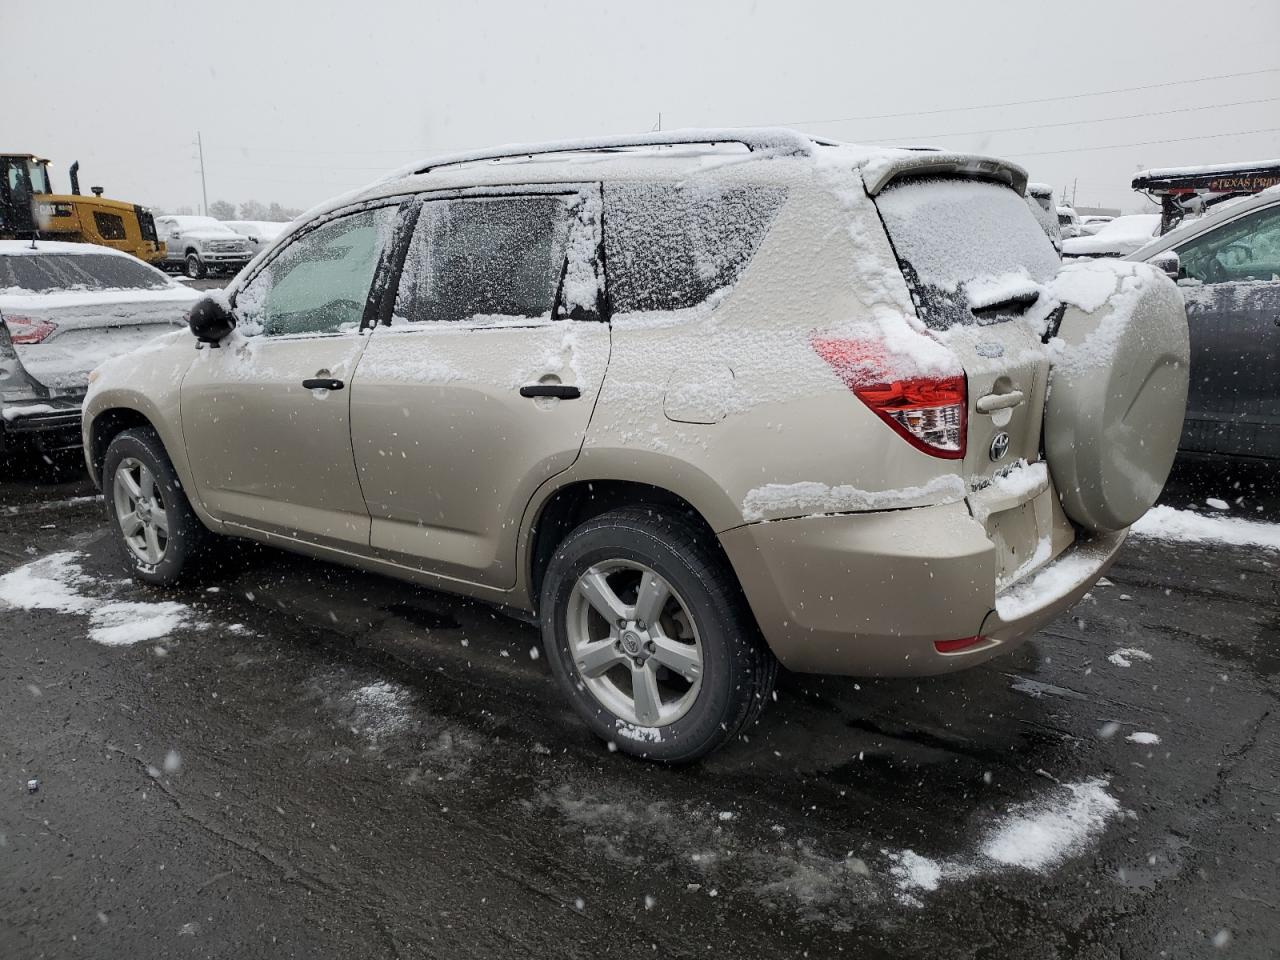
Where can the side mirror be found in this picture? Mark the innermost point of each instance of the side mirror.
(210, 320)
(1167, 262)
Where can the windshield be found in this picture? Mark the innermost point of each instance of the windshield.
(955, 236)
(46, 273)
(39, 177)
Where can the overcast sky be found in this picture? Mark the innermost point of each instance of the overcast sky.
(298, 101)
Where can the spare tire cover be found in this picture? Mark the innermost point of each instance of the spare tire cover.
(1117, 390)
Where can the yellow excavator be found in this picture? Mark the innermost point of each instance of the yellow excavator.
(29, 208)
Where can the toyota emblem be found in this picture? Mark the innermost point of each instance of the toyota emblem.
(999, 445)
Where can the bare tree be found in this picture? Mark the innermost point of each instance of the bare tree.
(253, 210)
(222, 210)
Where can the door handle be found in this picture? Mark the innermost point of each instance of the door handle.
(999, 401)
(323, 383)
(560, 391)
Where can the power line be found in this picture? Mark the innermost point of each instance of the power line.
(1143, 143)
(1069, 123)
(1020, 103)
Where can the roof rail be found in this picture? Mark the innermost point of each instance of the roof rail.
(774, 140)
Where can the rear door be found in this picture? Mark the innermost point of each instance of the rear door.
(1232, 295)
(974, 258)
(481, 387)
(266, 417)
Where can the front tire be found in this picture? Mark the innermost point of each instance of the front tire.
(158, 533)
(194, 267)
(650, 638)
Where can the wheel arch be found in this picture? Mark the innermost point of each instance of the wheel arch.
(573, 504)
(105, 427)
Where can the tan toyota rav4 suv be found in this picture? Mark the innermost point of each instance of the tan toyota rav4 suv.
(702, 402)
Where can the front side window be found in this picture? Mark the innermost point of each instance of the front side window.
(669, 246)
(320, 282)
(110, 226)
(487, 259)
(1245, 249)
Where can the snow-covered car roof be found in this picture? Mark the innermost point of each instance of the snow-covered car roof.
(1120, 236)
(772, 153)
(23, 248)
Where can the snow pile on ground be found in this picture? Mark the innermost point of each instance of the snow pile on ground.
(56, 582)
(1166, 523)
(1125, 656)
(381, 709)
(1037, 836)
(1032, 836)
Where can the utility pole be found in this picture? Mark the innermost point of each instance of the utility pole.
(659, 121)
(204, 190)
(1074, 184)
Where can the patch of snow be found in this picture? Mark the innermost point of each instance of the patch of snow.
(123, 623)
(1184, 526)
(1144, 738)
(640, 734)
(1059, 578)
(1217, 504)
(914, 872)
(811, 498)
(1040, 834)
(56, 582)
(1125, 656)
(382, 709)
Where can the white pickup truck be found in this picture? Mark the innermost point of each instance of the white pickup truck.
(198, 245)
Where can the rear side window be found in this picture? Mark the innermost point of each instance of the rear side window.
(486, 259)
(669, 246)
(45, 273)
(110, 226)
(962, 246)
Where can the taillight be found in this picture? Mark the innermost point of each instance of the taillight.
(928, 412)
(28, 329)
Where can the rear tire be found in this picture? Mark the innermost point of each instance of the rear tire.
(159, 535)
(194, 267)
(712, 672)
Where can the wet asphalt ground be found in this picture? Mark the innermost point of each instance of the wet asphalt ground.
(319, 763)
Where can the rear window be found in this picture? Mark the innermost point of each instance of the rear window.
(669, 246)
(43, 273)
(955, 237)
(110, 226)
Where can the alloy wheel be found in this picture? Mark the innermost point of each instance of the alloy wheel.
(140, 511)
(633, 643)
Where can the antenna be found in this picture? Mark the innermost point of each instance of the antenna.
(204, 190)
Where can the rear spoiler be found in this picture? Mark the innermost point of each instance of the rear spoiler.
(879, 173)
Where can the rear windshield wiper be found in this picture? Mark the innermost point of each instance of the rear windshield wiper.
(1013, 306)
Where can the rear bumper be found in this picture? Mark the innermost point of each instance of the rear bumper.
(53, 424)
(869, 594)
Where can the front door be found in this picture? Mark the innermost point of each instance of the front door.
(267, 415)
(1232, 293)
(481, 387)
